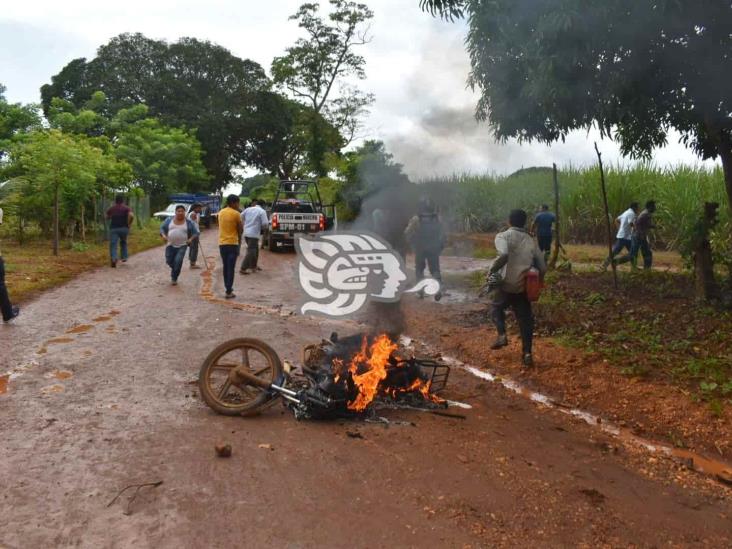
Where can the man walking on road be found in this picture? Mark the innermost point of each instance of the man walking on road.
(230, 230)
(542, 227)
(120, 220)
(178, 232)
(639, 238)
(517, 254)
(194, 216)
(254, 219)
(625, 223)
(9, 311)
(425, 235)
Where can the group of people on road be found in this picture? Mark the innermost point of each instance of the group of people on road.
(235, 224)
(518, 253)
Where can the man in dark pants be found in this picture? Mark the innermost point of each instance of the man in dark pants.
(542, 227)
(9, 312)
(517, 254)
(425, 235)
(230, 229)
(254, 218)
(120, 220)
(194, 216)
(639, 239)
(623, 239)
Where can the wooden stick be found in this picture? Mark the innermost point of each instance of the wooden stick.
(607, 218)
(557, 243)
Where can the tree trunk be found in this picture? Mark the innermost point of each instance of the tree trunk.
(607, 217)
(83, 225)
(725, 153)
(557, 243)
(55, 221)
(706, 286)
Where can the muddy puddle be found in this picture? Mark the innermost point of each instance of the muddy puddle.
(80, 329)
(57, 340)
(719, 470)
(4, 384)
(52, 389)
(59, 374)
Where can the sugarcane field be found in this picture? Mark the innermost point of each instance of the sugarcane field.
(425, 273)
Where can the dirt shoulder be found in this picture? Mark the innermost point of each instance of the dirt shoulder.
(645, 357)
(31, 267)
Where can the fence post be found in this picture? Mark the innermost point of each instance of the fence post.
(607, 218)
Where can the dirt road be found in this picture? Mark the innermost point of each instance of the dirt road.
(101, 395)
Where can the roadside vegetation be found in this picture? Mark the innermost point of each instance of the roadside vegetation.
(31, 268)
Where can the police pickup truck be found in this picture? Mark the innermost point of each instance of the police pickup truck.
(296, 209)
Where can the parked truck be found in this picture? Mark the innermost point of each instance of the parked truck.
(297, 208)
(211, 205)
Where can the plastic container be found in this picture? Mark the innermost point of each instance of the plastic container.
(533, 284)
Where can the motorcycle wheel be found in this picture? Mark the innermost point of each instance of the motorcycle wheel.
(215, 384)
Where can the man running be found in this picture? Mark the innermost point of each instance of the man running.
(178, 232)
(230, 230)
(639, 238)
(9, 311)
(194, 216)
(542, 227)
(120, 220)
(624, 222)
(517, 254)
(254, 219)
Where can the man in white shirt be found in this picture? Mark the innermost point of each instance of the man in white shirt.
(517, 253)
(625, 223)
(254, 219)
(9, 312)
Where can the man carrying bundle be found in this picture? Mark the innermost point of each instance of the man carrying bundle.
(517, 253)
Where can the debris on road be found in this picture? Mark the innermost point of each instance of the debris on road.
(223, 450)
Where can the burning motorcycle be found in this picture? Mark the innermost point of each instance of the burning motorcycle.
(345, 377)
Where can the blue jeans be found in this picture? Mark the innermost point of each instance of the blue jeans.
(193, 251)
(174, 258)
(118, 234)
(229, 253)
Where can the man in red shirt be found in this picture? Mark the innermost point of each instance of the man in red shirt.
(120, 219)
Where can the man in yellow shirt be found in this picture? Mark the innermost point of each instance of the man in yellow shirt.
(230, 229)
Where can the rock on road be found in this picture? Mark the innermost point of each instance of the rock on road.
(100, 394)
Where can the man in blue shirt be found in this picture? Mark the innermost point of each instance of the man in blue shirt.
(542, 228)
(254, 218)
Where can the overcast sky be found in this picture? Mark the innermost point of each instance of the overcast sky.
(416, 68)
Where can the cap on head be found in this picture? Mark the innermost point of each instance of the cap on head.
(517, 218)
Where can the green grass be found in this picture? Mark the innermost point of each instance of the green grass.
(32, 268)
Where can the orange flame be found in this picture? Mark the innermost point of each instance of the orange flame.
(369, 368)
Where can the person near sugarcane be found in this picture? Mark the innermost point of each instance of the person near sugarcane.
(639, 238)
(624, 222)
(426, 237)
(517, 253)
(542, 228)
